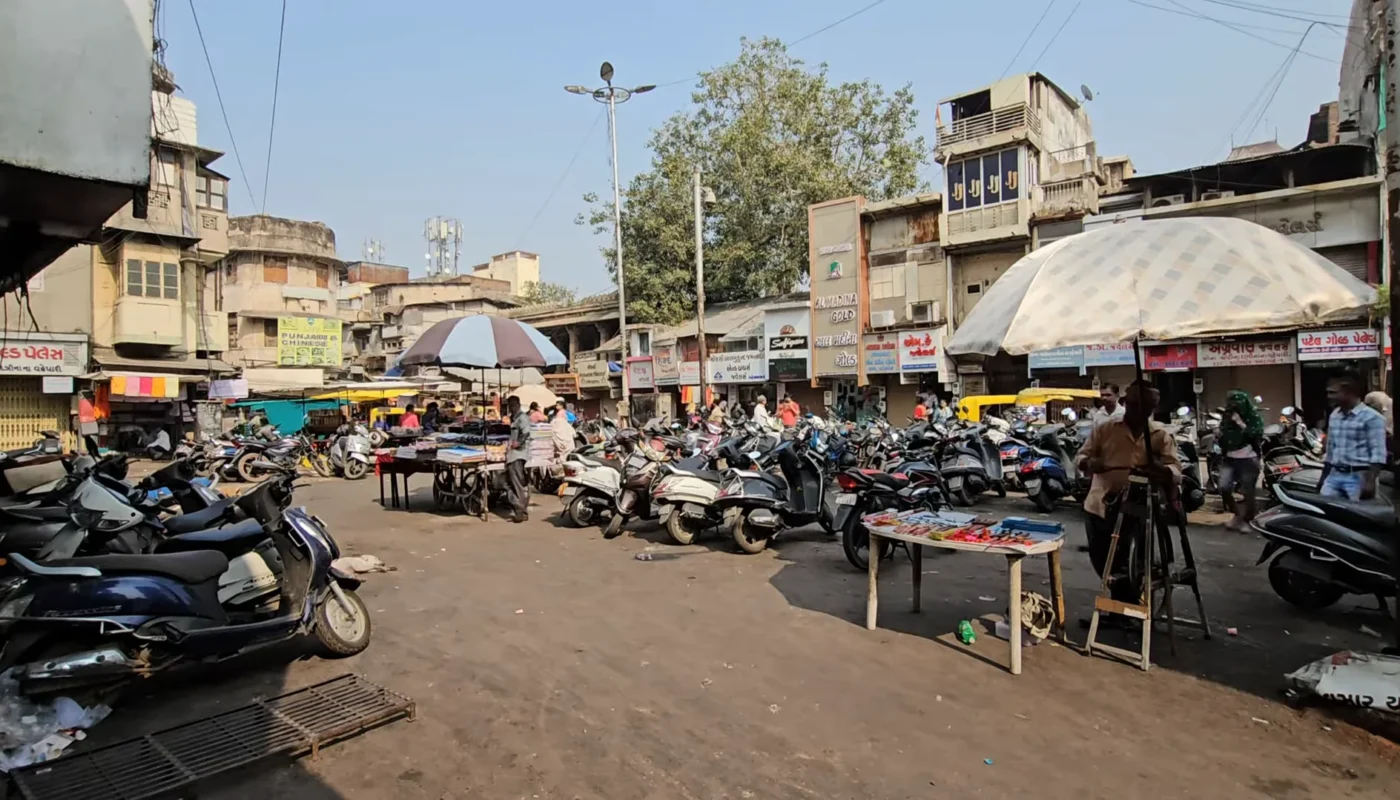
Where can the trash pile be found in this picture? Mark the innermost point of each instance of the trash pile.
(1360, 680)
(32, 732)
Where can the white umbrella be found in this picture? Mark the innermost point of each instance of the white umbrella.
(1164, 279)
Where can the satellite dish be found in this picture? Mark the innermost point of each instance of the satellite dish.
(606, 72)
(1084, 90)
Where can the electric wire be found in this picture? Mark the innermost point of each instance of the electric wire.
(224, 112)
(276, 84)
(1027, 40)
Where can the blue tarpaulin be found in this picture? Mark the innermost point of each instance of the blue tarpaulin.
(287, 415)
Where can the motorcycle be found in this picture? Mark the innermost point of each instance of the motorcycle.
(591, 485)
(257, 458)
(639, 473)
(1288, 448)
(971, 464)
(911, 485)
(761, 504)
(105, 620)
(1193, 494)
(1326, 548)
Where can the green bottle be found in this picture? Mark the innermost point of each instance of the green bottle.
(965, 633)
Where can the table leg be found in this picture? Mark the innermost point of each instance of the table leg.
(380, 473)
(1057, 595)
(485, 479)
(872, 594)
(917, 556)
(1013, 564)
(407, 504)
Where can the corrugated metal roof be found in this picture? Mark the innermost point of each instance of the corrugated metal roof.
(724, 319)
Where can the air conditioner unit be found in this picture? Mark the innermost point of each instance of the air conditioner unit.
(1169, 200)
(1218, 195)
(923, 312)
(881, 319)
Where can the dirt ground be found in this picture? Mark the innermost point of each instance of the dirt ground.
(549, 663)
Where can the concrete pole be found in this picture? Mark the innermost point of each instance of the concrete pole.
(700, 283)
(617, 234)
(1391, 144)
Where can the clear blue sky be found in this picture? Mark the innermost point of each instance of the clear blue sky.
(390, 113)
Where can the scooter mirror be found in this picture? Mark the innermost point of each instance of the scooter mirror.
(1288, 411)
(1258, 398)
(1069, 414)
(1184, 411)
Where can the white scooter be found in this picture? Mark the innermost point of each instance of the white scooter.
(591, 487)
(349, 453)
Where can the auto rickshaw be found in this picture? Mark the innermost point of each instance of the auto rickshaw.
(972, 408)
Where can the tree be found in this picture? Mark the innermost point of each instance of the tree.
(544, 292)
(772, 137)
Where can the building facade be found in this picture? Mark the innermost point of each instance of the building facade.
(517, 268)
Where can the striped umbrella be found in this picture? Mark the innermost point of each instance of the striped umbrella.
(482, 341)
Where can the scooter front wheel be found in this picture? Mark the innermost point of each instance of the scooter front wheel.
(355, 470)
(1044, 502)
(322, 464)
(745, 539)
(342, 629)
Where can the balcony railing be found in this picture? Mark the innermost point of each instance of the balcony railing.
(1000, 120)
(1067, 198)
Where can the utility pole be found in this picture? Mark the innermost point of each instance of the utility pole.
(1391, 142)
(700, 284)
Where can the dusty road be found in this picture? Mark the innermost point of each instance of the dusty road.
(548, 663)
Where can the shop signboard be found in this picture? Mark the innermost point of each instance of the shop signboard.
(1058, 358)
(689, 373)
(663, 359)
(1169, 357)
(920, 351)
(58, 384)
(562, 383)
(1122, 354)
(747, 367)
(834, 230)
(38, 354)
(1246, 354)
(784, 370)
(592, 374)
(881, 353)
(308, 342)
(640, 374)
(788, 335)
(231, 389)
(1338, 344)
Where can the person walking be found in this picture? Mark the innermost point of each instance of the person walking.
(1355, 442)
(1241, 434)
(517, 453)
(1108, 408)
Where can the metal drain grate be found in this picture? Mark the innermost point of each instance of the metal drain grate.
(150, 766)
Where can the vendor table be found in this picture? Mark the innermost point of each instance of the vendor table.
(1014, 555)
(466, 483)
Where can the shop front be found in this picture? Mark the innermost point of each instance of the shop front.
(599, 386)
(666, 369)
(1263, 367)
(787, 335)
(740, 377)
(1171, 368)
(37, 385)
(1061, 368)
(879, 353)
(921, 361)
(1322, 353)
(838, 311)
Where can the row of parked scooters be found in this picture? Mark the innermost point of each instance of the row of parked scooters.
(103, 580)
(247, 458)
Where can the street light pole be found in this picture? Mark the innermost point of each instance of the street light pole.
(1391, 142)
(612, 95)
(700, 283)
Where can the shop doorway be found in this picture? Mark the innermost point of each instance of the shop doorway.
(1177, 389)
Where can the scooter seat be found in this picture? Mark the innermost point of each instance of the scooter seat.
(707, 475)
(199, 520)
(193, 567)
(231, 540)
(1369, 515)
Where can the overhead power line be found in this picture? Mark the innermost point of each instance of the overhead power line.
(1057, 34)
(224, 112)
(1027, 40)
(798, 40)
(1232, 26)
(276, 84)
(1287, 63)
(558, 184)
(1285, 13)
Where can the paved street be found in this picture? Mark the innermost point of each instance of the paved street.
(548, 663)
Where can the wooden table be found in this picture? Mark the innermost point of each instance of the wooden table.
(1014, 555)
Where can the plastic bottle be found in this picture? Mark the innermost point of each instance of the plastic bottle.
(965, 633)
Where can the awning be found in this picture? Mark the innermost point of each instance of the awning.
(159, 387)
(274, 379)
(192, 367)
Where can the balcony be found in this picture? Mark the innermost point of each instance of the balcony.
(1002, 120)
(985, 224)
(149, 320)
(391, 332)
(163, 215)
(212, 334)
(1072, 198)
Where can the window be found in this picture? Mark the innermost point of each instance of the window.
(974, 288)
(211, 192)
(233, 331)
(269, 333)
(152, 279)
(323, 276)
(887, 282)
(231, 272)
(165, 169)
(643, 343)
(274, 269)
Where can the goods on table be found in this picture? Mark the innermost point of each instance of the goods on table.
(1013, 532)
(461, 455)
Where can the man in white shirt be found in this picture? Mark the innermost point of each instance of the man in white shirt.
(1111, 409)
(760, 412)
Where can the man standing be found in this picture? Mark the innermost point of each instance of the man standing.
(517, 453)
(760, 413)
(1355, 442)
(1115, 448)
(1110, 408)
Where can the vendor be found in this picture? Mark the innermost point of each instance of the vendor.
(432, 418)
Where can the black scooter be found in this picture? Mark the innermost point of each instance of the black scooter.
(1330, 548)
(760, 504)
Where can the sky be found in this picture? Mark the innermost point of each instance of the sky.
(391, 113)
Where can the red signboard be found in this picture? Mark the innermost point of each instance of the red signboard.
(1169, 357)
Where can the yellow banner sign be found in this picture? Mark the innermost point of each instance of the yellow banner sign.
(308, 342)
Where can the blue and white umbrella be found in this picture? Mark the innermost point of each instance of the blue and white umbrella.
(482, 341)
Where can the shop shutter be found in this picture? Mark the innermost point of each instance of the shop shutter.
(1350, 257)
(25, 411)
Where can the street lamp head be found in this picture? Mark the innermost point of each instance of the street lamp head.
(606, 72)
(707, 196)
(643, 89)
(577, 90)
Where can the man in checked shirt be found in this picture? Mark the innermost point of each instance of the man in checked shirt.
(1355, 442)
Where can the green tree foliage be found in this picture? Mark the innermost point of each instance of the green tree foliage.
(772, 137)
(545, 292)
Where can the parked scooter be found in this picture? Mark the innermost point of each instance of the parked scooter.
(639, 472)
(971, 465)
(349, 454)
(1330, 548)
(685, 491)
(104, 620)
(1050, 472)
(909, 486)
(761, 504)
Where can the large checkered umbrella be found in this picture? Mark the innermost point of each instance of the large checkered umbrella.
(1162, 280)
